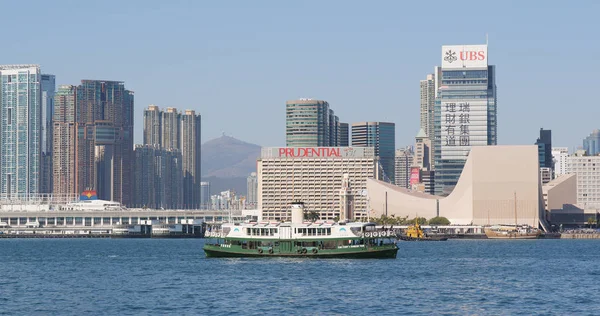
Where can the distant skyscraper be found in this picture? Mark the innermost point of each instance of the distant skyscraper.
(20, 125)
(158, 177)
(190, 151)
(205, 201)
(464, 113)
(334, 127)
(48, 89)
(422, 151)
(428, 95)
(559, 155)
(381, 136)
(68, 147)
(252, 190)
(544, 143)
(344, 134)
(106, 109)
(591, 144)
(310, 123)
(171, 129)
(153, 126)
(403, 160)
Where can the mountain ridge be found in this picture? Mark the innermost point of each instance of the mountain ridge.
(228, 157)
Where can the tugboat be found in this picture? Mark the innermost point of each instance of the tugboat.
(415, 233)
(298, 238)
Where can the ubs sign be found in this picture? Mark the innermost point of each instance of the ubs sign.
(464, 56)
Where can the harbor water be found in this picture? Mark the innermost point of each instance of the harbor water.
(162, 276)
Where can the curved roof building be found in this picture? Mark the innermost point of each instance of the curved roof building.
(495, 181)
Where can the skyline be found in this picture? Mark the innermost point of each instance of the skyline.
(366, 61)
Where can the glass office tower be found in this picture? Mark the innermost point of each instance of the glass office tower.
(20, 125)
(381, 136)
(464, 113)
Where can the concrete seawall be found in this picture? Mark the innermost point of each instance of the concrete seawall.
(580, 236)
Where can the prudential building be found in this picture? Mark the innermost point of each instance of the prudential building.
(464, 112)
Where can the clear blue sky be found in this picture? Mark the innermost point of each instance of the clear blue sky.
(237, 62)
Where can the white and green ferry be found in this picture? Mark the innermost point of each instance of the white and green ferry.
(319, 239)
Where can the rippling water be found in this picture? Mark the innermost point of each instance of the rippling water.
(143, 276)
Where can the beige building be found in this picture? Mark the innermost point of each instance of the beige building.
(315, 176)
(587, 169)
(560, 191)
(496, 181)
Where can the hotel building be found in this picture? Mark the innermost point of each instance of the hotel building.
(587, 169)
(464, 113)
(313, 175)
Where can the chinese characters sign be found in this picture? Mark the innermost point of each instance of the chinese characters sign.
(456, 123)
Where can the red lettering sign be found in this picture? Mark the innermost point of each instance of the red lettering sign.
(472, 55)
(309, 152)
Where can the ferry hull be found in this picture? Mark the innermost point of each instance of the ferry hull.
(384, 253)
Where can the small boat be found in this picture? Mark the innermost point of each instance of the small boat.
(512, 232)
(503, 232)
(416, 233)
(299, 238)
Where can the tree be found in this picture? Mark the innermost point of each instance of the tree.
(591, 221)
(422, 220)
(311, 216)
(439, 220)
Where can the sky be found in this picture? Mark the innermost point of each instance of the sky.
(237, 62)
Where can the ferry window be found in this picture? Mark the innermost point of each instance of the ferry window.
(248, 231)
(328, 231)
(275, 230)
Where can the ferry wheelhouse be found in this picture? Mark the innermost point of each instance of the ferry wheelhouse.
(319, 239)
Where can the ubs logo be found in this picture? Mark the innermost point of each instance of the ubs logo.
(450, 56)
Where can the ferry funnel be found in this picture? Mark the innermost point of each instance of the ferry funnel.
(297, 212)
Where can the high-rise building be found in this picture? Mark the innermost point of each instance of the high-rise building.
(559, 155)
(153, 126)
(464, 112)
(310, 123)
(48, 86)
(587, 169)
(344, 134)
(158, 177)
(403, 160)
(181, 131)
(428, 95)
(252, 190)
(382, 137)
(106, 110)
(544, 143)
(171, 129)
(591, 144)
(190, 151)
(315, 176)
(205, 201)
(20, 125)
(334, 127)
(422, 151)
(68, 147)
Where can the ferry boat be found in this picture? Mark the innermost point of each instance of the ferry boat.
(319, 239)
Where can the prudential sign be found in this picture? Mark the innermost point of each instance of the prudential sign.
(464, 56)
